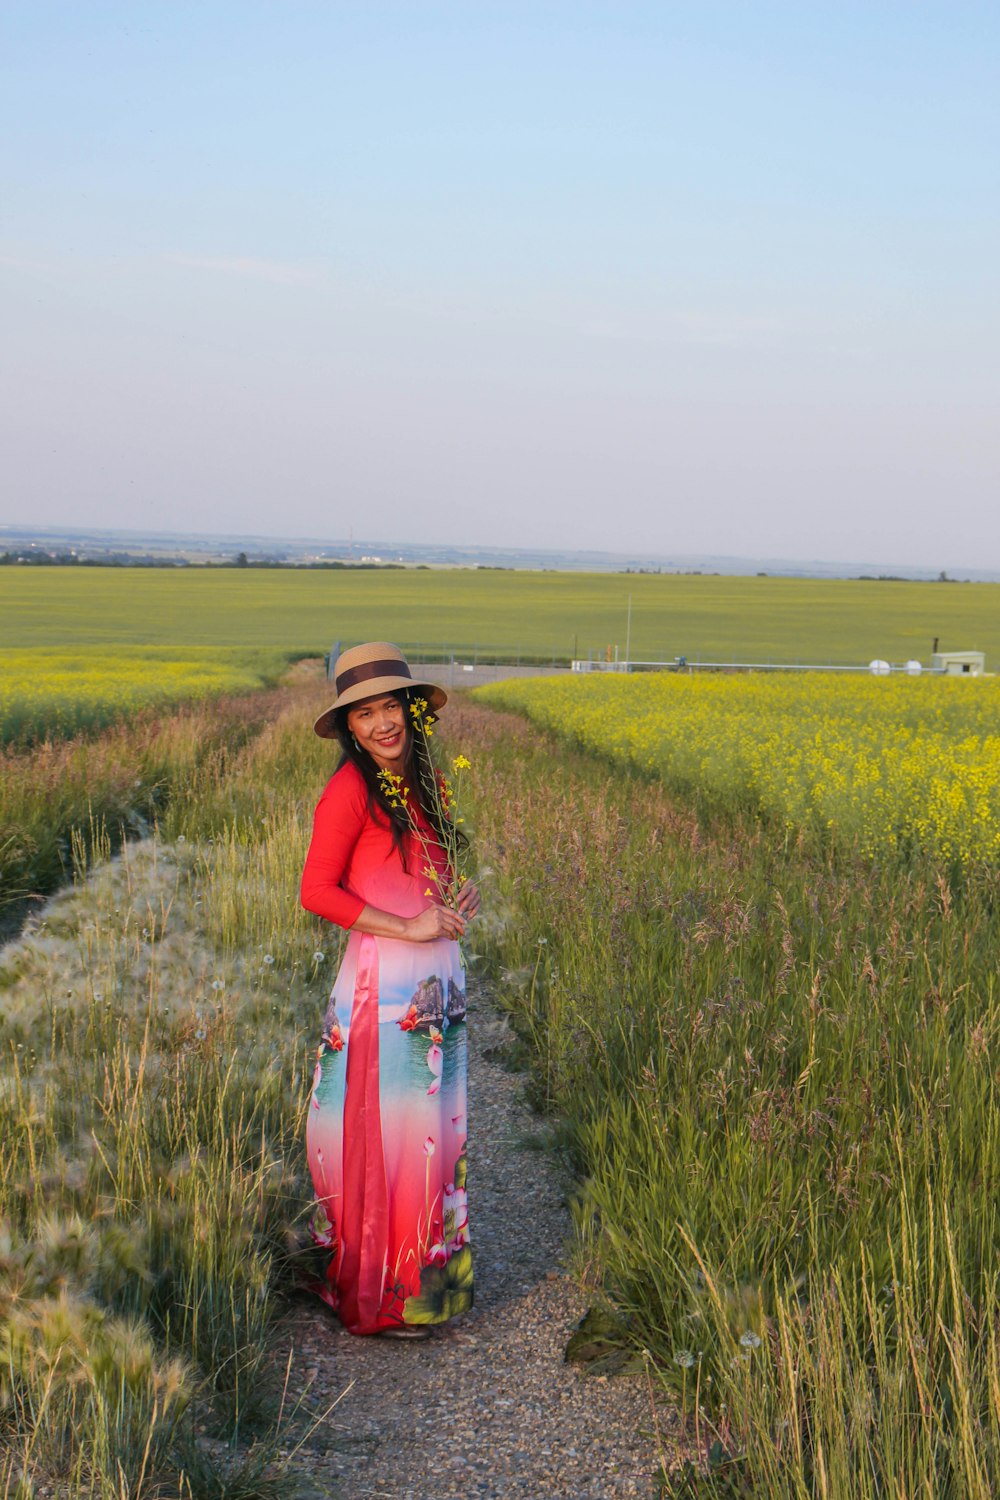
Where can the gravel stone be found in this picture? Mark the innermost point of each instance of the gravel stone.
(488, 1406)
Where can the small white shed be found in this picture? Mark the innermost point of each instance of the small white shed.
(959, 663)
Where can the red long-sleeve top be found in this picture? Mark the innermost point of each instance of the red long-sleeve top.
(353, 862)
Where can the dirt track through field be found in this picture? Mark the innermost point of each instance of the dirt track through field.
(492, 1410)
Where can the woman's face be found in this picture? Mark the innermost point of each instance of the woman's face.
(379, 726)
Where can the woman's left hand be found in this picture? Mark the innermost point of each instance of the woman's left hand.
(468, 899)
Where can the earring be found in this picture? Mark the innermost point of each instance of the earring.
(355, 743)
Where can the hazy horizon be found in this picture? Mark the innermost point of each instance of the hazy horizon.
(713, 280)
(555, 559)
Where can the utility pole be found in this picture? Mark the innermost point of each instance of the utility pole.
(628, 635)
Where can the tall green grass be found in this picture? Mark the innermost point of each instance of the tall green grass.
(156, 1044)
(54, 794)
(778, 1078)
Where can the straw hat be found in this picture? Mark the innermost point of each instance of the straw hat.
(365, 672)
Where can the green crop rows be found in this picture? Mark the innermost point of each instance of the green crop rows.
(545, 615)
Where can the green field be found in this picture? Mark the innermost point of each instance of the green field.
(547, 615)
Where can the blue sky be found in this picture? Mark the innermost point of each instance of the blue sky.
(675, 277)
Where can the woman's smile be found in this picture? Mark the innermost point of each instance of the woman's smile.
(379, 727)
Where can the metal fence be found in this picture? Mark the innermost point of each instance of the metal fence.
(480, 661)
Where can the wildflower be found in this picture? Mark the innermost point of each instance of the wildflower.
(200, 1034)
(218, 984)
(460, 763)
(750, 1340)
(269, 958)
(318, 956)
(450, 880)
(684, 1358)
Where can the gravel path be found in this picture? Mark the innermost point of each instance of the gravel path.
(491, 1409)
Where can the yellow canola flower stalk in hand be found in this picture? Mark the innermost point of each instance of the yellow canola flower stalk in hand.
(445, 886)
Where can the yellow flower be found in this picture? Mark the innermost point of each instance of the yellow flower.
(868, 763)
(461, 764)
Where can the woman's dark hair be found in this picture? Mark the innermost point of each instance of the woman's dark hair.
(417, 771)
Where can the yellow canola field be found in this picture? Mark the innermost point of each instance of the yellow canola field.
(893, 764)
(57, 693)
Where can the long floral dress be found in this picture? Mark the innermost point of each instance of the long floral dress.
(386, 1132)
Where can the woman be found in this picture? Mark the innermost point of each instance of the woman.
(386, 1133)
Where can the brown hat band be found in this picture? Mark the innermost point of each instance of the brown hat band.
(369, 669)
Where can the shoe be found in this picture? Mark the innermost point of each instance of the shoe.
(405, 1331)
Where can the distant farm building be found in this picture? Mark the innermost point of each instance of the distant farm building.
(959, 663)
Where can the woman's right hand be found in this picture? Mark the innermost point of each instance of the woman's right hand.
(435, 922)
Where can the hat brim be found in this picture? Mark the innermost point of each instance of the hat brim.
(375, 687)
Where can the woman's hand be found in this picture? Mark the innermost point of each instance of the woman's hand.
(468, 899)
(435, 922)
